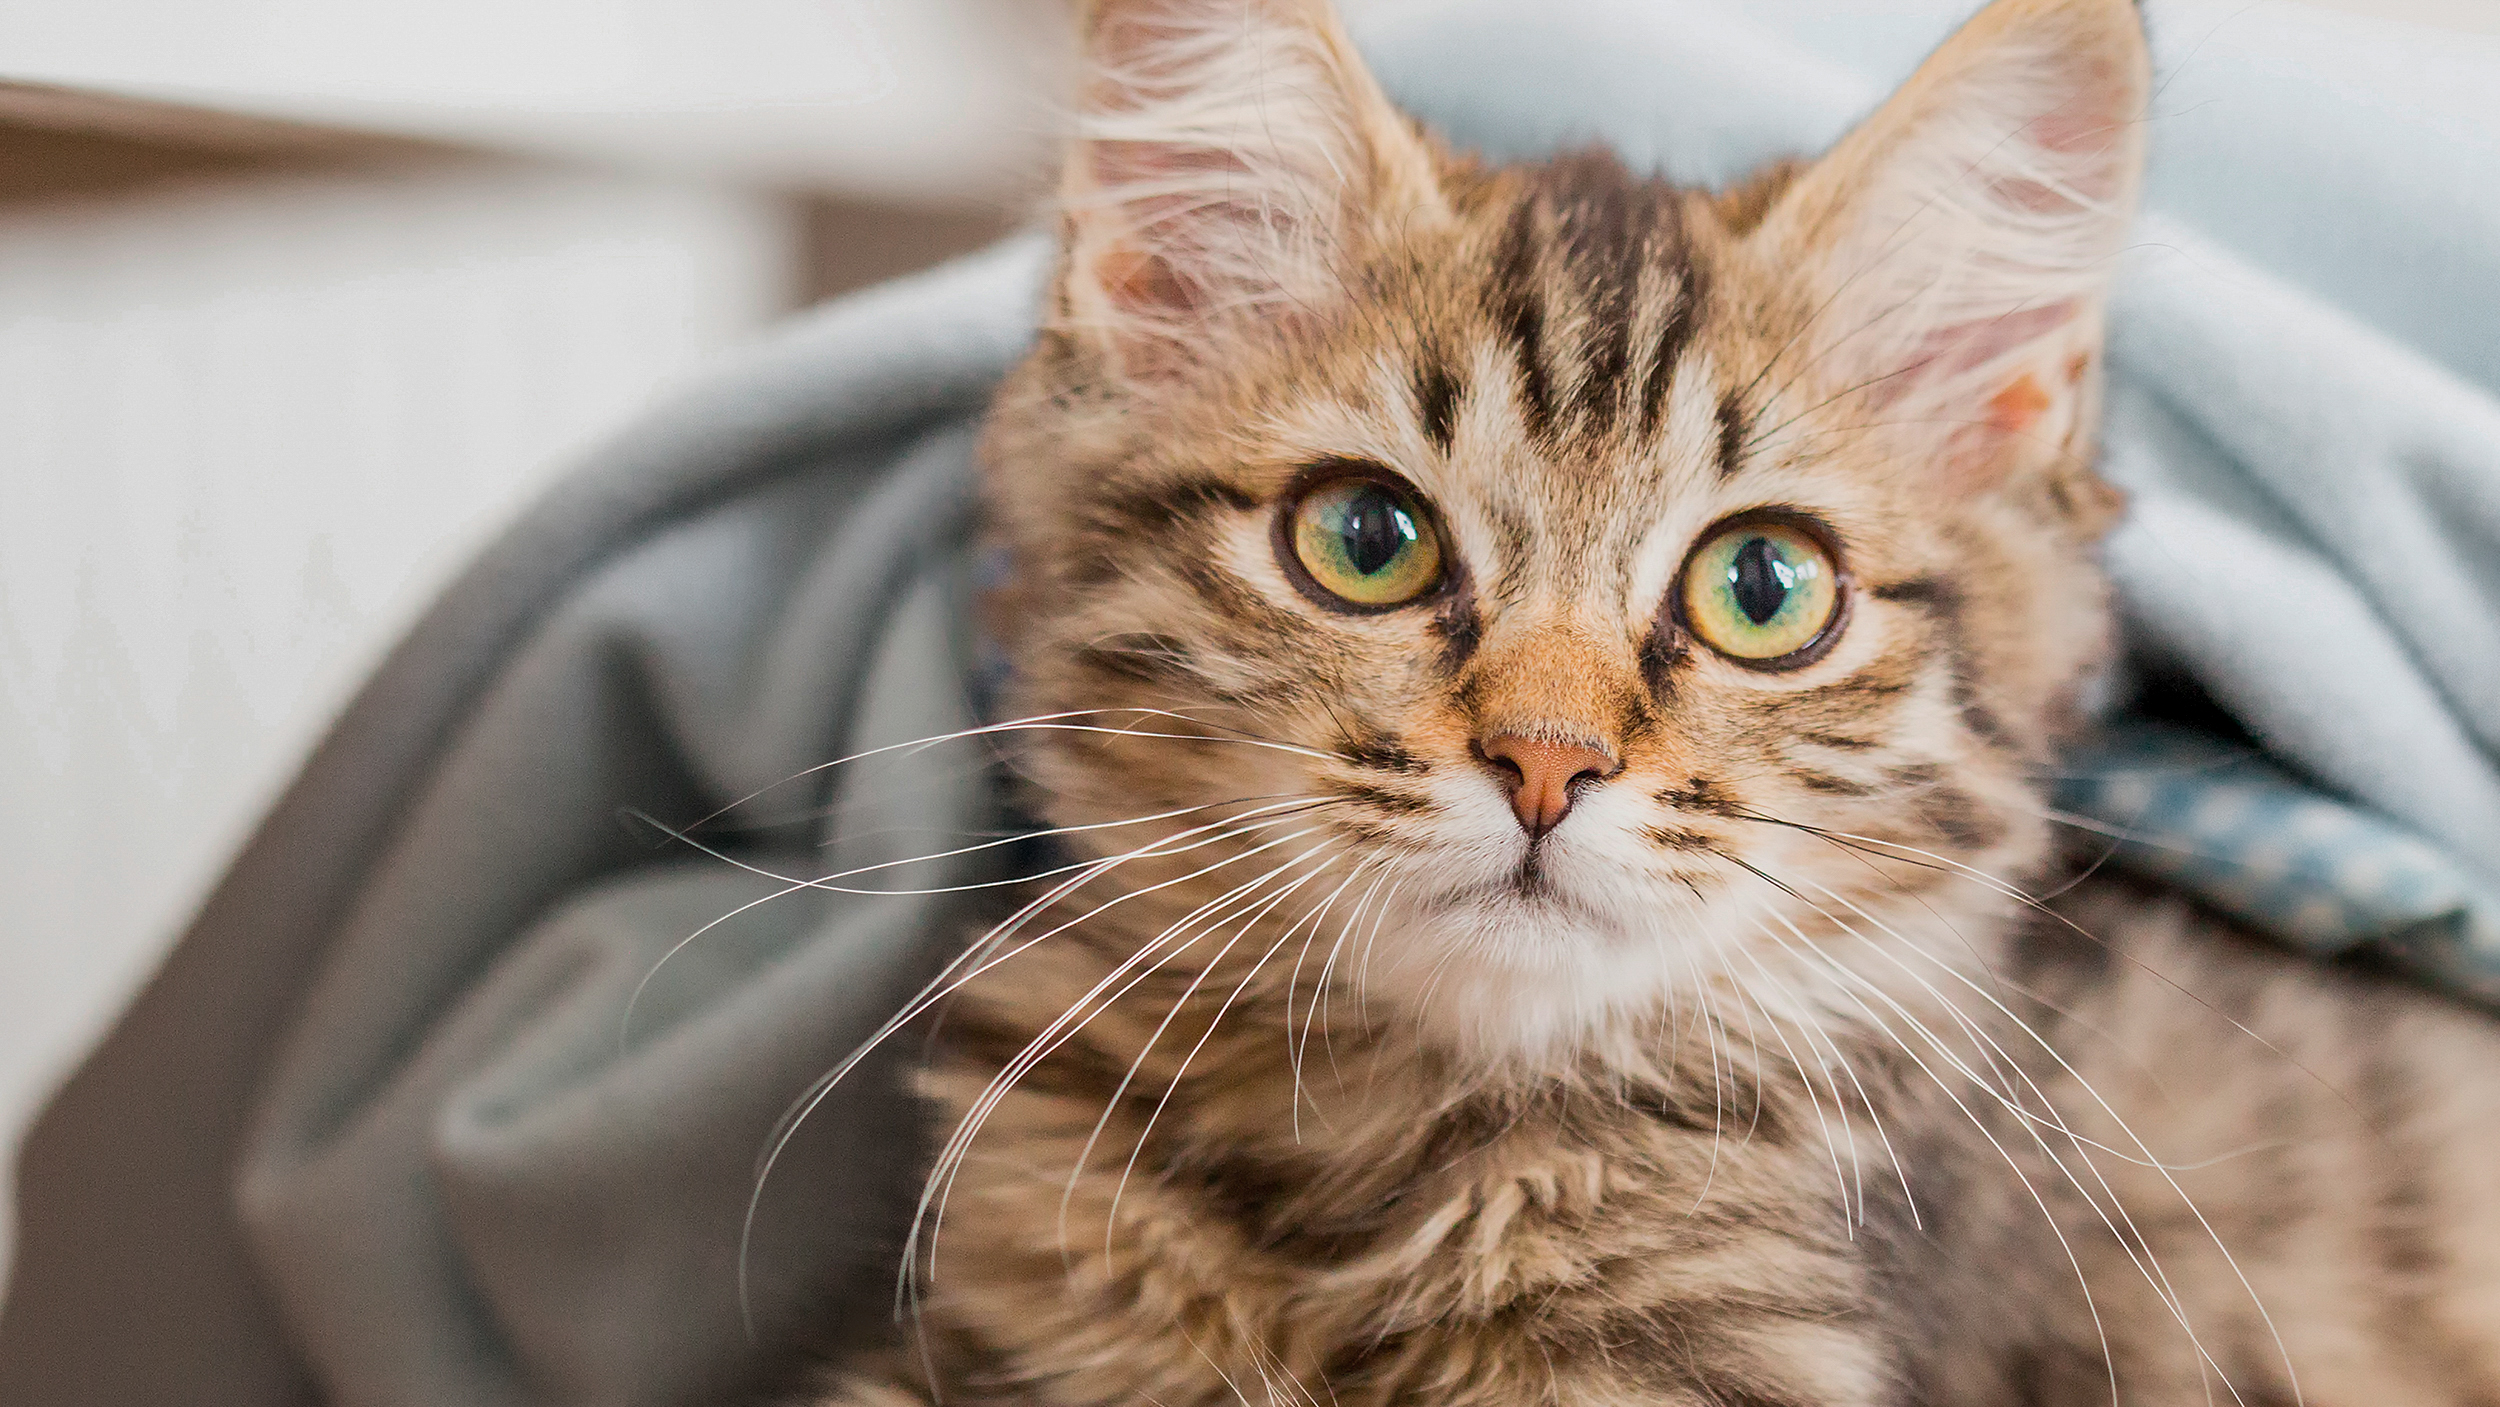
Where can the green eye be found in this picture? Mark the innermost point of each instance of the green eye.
(1761, 593)
(1365, 542)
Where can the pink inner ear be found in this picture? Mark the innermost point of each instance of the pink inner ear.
(1126, 165)
(1128, 38)
(1166, 236)
(1222, 146)
(1951, 353)
(1135, 281)
(2017, 407)
(2084, 131)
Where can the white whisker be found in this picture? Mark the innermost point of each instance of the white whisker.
(2155, 1276)
(1207, 916)
(1061, 1029)
(795, 883)
(1805, 1078)
(956, 974)
(1294, 1053)
(2073, 1258)
(1111, 1214)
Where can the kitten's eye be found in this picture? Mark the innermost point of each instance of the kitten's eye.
(1365, 542)
(1762, 593)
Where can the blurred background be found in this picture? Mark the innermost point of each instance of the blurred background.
(300, 300)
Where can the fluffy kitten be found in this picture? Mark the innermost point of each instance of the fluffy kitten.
(1583, 651)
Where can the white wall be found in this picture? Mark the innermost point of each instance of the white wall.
(245, 433)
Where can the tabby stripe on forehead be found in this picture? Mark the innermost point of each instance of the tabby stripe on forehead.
(1589, 250)
(1674, 336)
(1626, 241)
(1735, 428)
(1521, 308)
(1436, 400)
(1610, 245)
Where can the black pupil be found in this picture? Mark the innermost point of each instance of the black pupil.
(1760, 580)
(1375, 530)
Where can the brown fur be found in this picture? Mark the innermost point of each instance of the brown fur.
(1762, 1085)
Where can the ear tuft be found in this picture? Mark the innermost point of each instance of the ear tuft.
(1225, 152)
(1963, 237)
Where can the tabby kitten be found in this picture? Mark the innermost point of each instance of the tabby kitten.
(1546, 674)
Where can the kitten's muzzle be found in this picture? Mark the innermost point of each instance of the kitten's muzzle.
(1544, 777)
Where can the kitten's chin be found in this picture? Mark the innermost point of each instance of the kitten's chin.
(1529, 969)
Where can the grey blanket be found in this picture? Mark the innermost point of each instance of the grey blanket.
(417, 1112)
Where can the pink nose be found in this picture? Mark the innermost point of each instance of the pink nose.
(1544, 777)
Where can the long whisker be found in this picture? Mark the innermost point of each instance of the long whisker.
(1363, 961)
(2148, 1159)
(1040, 722)
(2212, 1234)
(1875, 1116)
(1929, 859)
(1995, 979)
(1093, 1003)
(794, 883)
(1293, 980)
(2129, 1238)
(2009, 1099)
(1206, 918)
(1062, 1029)
(2073, 1258)
(1814, 1097)
(955, 975)
(1137, 1150)
(1327, 988)
(1714, 1030)
(992, 948)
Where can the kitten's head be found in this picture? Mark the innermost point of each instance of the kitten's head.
(1582, 586)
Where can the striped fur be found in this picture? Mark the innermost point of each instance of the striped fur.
(1760, 1080)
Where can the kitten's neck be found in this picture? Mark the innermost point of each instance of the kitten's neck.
(1259, 1027)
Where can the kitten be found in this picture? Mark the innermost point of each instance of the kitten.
(1552, 671)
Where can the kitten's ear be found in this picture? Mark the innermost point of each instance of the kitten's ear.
(1228, 155)
(1957, 246)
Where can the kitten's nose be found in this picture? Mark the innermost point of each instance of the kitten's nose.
(1543, 776)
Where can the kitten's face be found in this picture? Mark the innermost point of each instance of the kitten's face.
(1580, 589)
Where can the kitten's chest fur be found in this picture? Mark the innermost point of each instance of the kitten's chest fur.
(1339, 1210)
(1312, 1209)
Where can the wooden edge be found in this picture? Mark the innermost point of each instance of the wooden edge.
(88, 112)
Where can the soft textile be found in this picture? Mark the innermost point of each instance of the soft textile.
(385, 1131)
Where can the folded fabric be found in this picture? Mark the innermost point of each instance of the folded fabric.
(458, 1089)
(2321, 874)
